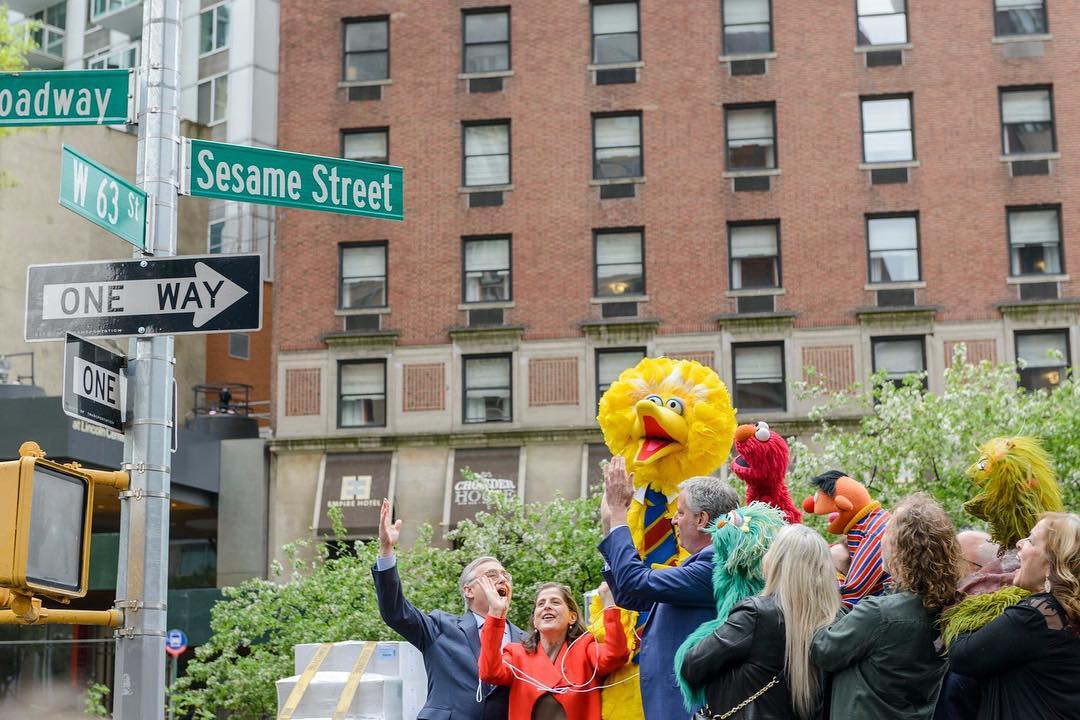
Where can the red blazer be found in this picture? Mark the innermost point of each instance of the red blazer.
(584, 656)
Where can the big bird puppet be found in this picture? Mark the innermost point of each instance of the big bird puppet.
(671, 420)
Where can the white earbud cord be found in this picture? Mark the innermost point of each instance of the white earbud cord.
(520, 674)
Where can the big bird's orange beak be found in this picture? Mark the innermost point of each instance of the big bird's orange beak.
(661, 431)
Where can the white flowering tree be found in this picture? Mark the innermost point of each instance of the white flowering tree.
(909, 439)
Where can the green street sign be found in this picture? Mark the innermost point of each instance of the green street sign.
(67, 97)
(103, 197)
(276, 177)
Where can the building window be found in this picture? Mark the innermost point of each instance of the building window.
(362, 393)
(239, 346)
(51, 26)
(751, 137)
(1027, 121)
(216, 240)
(487, 388)
(617, 146)
(892, 244)
(213, 100)
(882, 22)
(618, 268)
(886, 127)
(615, 36)
(486, 269)
(366, 145)
(754, 250)
(367, 50)
(1044, 357)
(611, 363)
(486, 38)
(747, 26)
(214, 29)
(486, 158)
(363, 276)
(1035, 241)
(119, 58)
(759, 376)
(899, 357)
(1020, 17)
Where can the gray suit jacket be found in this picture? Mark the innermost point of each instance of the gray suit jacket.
(451, 647)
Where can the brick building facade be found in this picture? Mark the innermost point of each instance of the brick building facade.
(759, 186)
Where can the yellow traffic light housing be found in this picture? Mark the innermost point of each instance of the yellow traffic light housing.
(45, 517)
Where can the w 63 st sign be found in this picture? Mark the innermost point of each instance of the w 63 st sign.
(103, 197)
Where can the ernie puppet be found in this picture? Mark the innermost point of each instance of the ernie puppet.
(670, 420)
(852, 512)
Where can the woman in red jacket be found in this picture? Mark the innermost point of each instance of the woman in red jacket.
(555, 673)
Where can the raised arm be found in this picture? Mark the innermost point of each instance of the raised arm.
(614, 652)
(490, 664)
(397, 612)
(689, 584)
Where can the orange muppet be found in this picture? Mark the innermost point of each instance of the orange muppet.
(852, 512)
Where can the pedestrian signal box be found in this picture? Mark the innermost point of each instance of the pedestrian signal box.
(45, 515)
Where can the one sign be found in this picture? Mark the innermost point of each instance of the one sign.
(491, 469)
(275, 177)
(103, 197)
(166, 296)
(67, 97)
(355, 483)
(176, 642)
(95, 387)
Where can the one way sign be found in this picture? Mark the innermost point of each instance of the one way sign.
(165, 296)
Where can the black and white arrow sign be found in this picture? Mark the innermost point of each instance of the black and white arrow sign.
(166, 296)
(95, 386)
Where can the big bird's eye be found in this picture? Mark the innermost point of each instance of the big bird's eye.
(655, 400)
(982, 463)
(676, 405)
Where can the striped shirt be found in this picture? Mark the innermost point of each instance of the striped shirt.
(867, 575)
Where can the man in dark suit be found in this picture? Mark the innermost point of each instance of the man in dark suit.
(450, 643)
(678, 599)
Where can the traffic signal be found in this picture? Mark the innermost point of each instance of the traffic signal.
(45, 515)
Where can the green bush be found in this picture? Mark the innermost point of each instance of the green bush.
(913, 440)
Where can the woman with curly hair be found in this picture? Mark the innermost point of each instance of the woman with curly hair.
(1027, 660)
(882, 654)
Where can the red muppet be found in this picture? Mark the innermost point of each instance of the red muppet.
(852, 512)
(761, 462)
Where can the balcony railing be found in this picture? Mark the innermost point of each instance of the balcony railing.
(121, 15)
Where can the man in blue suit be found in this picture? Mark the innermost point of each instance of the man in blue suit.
(677, 599)
(450, 643)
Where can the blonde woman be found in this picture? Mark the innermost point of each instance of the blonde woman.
(759, 659)
(882, 654)
(1027, 661)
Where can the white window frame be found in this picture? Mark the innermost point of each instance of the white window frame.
(213, 80)
(215, 48)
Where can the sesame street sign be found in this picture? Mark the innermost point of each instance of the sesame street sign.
(276, 177)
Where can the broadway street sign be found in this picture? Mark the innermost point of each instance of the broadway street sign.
(67, 97)
(166, 296)
(95, 387)
(114, 203)
(275, 177)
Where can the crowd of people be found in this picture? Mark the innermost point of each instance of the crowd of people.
(850, 630)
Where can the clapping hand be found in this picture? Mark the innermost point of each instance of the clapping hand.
(618, 493)
(606, 597)
(388, 531)
(497, 604)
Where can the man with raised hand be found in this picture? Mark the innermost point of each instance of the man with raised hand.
(678, 599)
(449, 643)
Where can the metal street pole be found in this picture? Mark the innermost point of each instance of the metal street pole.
(141, 583)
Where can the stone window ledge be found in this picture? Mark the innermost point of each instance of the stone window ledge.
(886, 48)
(747, 56)
(481, 75)
(364, 83)
(362, 311)
(616, 66)
(489, 305)
(889, 165)
(618, 181)
(754, 292)
(619, 298)
(466, 189)
(1026, 279)
(761, 172)
(1028, 157)
(1003, 39)
(910, 285)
